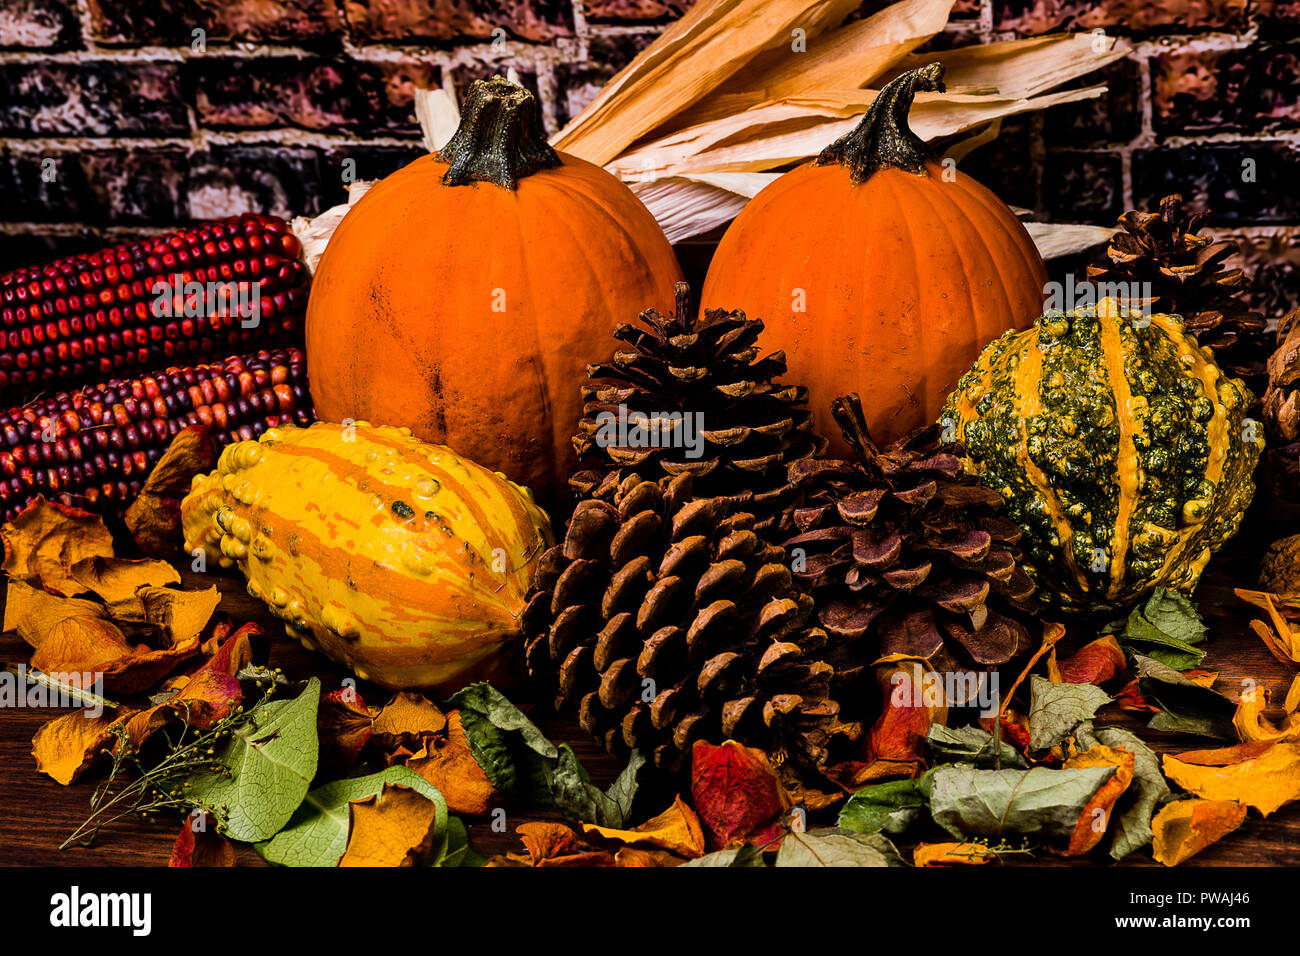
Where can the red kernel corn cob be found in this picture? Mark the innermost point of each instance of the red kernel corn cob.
(89, 317)
(97, 445)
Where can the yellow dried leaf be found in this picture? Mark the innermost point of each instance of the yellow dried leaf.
(1251, 723)
(47, 538)
(80, 645)
(638, 856)
(115, 581)
(394, 827)
(951, 854)
(32, 613)
(1264, 775)
(154, 518)
(67, 746)
(405, 720)
(1292, 703)
(1186, 827)
(447, 762)
(677, 830)
(182, 615)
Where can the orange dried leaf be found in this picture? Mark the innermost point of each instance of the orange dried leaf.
(446, 761)
(181, 615)
(737, 794)
(1264, 775)
(47, 538)
(677, 830)
(154, 518)
(898, 735)
(67, 746)
(394, 827)
(554, 844)
(115, 581)
(93, 645)
(637, 856)
(1186, 827)
(1095, 818)
(1251, 723)
(201, 847)
(1095, 663)
(952, 854)
(404, 720)
(32, 613)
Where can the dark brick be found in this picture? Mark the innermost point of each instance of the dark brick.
(39, 25)
(46, 187)
(1211, 174)
(1278, 13)
(1032, 17)
(136, 186)
(1083, 187)
(174, 21)
(1006, 164)
(440, 20)
(367, 162)
(963, 9)
(1250, 89)
(1273, 262)
(97, 98)
(1113, 117)
(463, 74)
(636, 9)
(281, 180)
(389, 90)
(580, 82)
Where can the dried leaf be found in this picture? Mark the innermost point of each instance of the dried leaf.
(1186, 704)
(952, 854)
(967, 801)
(579, 799)
(896, 741)
(115, 581)
(677, 830)
(93, 645)
(554, 844)
(343, 726)
(890, 807)
(1056, 709)
(1167, 629)
(1186, 827)
(737, 794)
(1052, 634)
(1095, 663)
(447, 762)
(1264, 775)
(1131, 826)
(67, 746)
(46, 539)
(973, 745)
(638, 856)
(1097, 813)
(405, 720)
(32, 613)
(1278, 634)
(202, 846)
(1251, 723)
(154, 518)
(181, 615)
(395, 827)
(832, 847)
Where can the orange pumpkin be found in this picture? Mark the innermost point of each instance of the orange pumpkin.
(878, 270)
(463, 295)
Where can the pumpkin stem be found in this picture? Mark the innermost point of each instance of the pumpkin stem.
(883, 140)
(500, 139)
(685, 317)
(847, 411)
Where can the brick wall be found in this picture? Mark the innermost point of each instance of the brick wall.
(125, 116)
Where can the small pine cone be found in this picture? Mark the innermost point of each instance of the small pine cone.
(1188, 277)
(666, 620)
(1281, 410)
(708, 405)
(906, 554)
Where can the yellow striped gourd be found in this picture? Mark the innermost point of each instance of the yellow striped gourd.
(395, 557)
(1120, 447)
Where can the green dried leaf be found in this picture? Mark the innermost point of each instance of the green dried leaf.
(1166, 628)
(835, 847)
(514, 754)
(580, 799)
(970, 745)
(890, 807)
(1056, 709)
(967, 801)
(270, 760)
(731, 856)
(317, 834)
(1186, 707)
(1131, 829)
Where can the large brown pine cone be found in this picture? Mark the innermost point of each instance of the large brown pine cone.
(699, 378)
(906, 554)
(665, 618)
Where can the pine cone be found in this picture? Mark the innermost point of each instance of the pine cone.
(1188, 278)
(906, 554)
(666, 619)
(1281, 410)
(697, 381)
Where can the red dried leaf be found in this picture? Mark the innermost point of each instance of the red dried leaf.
(737, 794)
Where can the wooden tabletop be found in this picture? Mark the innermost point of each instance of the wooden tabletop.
(37, 814)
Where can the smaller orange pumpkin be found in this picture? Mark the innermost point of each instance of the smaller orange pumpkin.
(878, 270)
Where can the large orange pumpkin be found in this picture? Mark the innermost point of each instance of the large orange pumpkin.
(463, 295)
(878, 270)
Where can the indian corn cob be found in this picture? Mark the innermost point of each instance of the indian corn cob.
(98, 444)
(88, 317)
